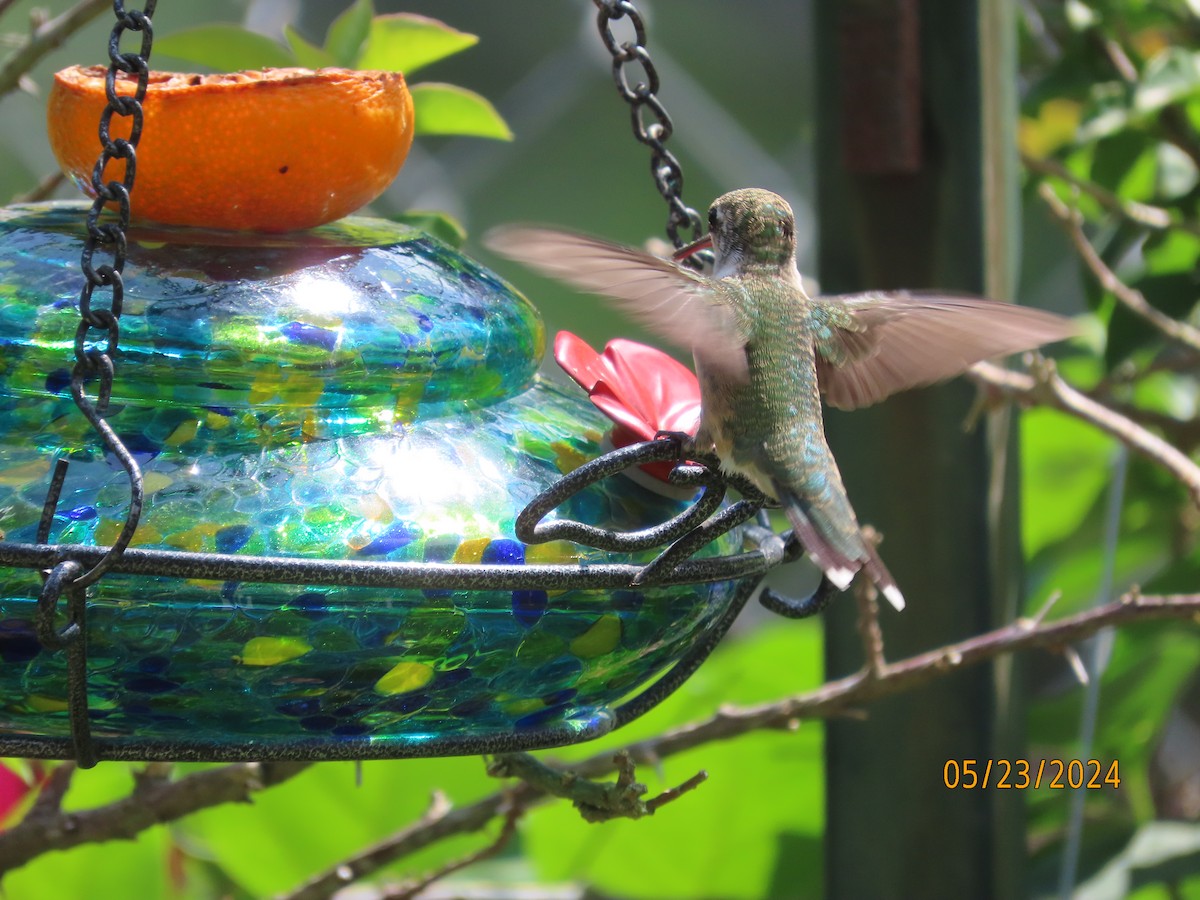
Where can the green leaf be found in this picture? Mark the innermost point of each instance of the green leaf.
(308, 55)
(1080, 16)
(1074, 565)
(1108, 110)
(1171, 76)
(449, 109)
(1172, 395)
(346, 35)
(1173, 292)
(1162, 853)
(225, 48)
(1148, 668)
(1177, 173)
(1174, 251)
(1114, 157)
(1104, 837)
(1065, 467)
(405, 42)
(441, 225)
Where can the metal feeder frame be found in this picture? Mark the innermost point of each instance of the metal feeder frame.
(68, 569)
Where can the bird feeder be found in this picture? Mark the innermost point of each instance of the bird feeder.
(328, 508)
(337, 431)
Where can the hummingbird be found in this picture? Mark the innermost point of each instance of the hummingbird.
(766, 353)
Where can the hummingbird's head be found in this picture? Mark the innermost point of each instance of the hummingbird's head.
(752, 228)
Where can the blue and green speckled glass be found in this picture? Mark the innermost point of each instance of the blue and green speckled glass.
(359, 391)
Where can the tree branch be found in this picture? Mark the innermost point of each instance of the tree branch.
(1131, 299)
(1184, 434)
(595, 802)
(509, 827)
(831, 699)
(869, 630)
(441, 821)
(43, 189)
(155, 799)
(1143, 214)
(45, 38)
(1047, 388)
(837, 697)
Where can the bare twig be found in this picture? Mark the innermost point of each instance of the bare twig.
(45, 38)
(440, 821)
(49, 799)
(596, 802)
(1048, 389)
(154, 801)
(1153, 217)
(511, 816)
(1131, 299)
(835, 697)
(1078, 669)
(43, 189)
(868, 628)
(1118, 58)
(1040, 615)
(1184, 434)
(868, 618)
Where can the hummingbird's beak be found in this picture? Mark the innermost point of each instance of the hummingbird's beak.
(705, 243)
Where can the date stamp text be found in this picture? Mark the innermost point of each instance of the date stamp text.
(1025, 774)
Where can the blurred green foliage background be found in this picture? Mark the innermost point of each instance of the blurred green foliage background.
(738, 80)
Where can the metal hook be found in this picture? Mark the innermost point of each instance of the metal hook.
(51, 504)
(531, 529)
(64, 579)
(792, 608)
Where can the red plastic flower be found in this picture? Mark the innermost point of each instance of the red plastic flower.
(16, 792)
(643, 390)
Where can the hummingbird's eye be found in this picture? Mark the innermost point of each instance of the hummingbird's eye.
(714, 220)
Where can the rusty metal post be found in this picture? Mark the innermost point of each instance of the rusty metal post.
(906, 156)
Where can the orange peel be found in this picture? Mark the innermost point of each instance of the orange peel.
(271, 150)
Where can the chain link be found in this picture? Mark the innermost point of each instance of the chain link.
(638, 86)
(68, 578)
(95, 354)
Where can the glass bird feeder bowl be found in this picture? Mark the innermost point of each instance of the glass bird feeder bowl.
(337, 431)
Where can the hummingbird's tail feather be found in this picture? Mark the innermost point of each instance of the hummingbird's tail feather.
(839, 567)
(882, 577)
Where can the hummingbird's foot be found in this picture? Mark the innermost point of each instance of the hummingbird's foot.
(684, 440)
(791, 608)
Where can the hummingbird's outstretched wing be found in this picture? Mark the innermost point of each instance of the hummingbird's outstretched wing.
(685, 308)
(872, 345)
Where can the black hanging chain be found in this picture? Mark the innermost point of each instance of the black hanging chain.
(94, 361)
(651, 124)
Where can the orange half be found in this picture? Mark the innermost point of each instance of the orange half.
(274, 150)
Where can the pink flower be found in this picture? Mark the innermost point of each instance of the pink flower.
(643, 390)
(16, 792)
